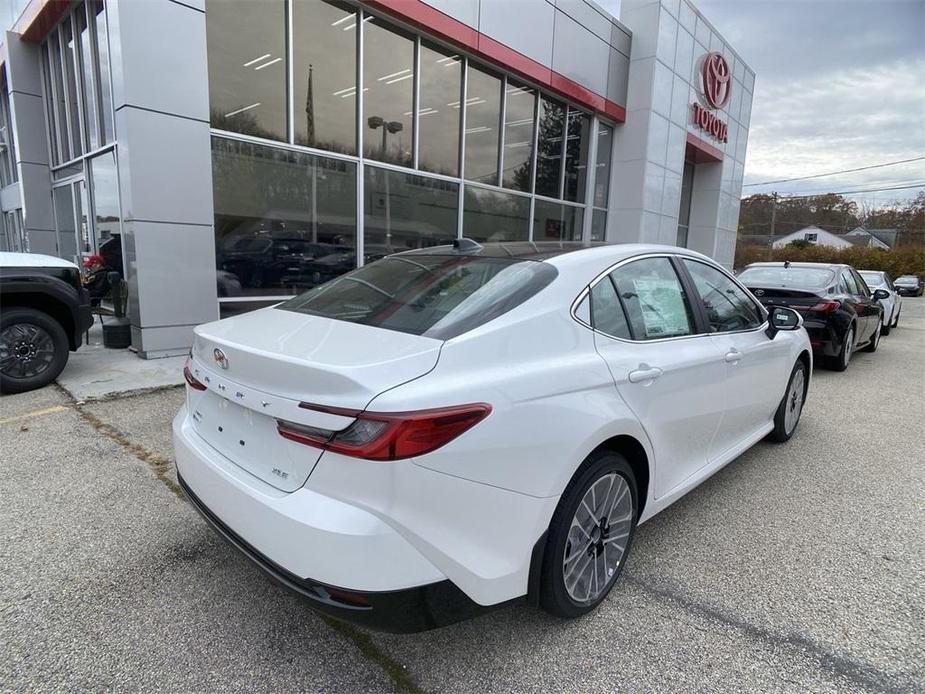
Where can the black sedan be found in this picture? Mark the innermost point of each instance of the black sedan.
(908, 285)
(839, 311)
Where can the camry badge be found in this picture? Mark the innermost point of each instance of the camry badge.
(220, 358)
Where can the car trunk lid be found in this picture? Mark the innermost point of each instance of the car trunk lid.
(257, 368)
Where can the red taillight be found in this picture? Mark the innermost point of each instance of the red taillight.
(389, 435)
(826, 306)
(190, 379)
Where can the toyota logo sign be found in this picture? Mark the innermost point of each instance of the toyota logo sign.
(715, 76)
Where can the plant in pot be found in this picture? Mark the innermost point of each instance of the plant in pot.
(117, 331)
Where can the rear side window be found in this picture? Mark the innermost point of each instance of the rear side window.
(437, 296)
(654, 299)
(606, 311)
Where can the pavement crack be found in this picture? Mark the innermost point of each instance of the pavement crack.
(839, 666)
(402, 680)
(159, 465)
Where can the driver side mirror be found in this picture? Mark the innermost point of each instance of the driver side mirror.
(881, 294)
(783, 319)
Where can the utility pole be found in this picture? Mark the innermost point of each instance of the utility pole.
(773, 221)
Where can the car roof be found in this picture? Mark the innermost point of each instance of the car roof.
(781, 263)
(12, 259)
(556, 252)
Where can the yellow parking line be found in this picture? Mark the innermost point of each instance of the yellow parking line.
(34, 413)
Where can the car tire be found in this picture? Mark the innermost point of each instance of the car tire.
(875, 339)
(577, 572)
(843, 358)
(33, 349)
(787, 417)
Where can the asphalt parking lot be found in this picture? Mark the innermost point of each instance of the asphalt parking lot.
(797, 567)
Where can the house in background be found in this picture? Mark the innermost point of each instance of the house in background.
(814, 235)
(884, 239)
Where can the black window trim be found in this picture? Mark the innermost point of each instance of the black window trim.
(701, 324)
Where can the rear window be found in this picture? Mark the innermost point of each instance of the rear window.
(787, 276)
(907, 279)
(873, 279)
(431, 295)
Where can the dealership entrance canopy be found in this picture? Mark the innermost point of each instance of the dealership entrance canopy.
(231, 154)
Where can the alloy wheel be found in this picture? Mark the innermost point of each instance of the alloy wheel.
(794, 403)
(846, 353)
(26, 350)
(597, 538)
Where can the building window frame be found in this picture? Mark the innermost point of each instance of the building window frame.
(585, 203)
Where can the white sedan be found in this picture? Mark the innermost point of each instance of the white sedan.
(448, 429)
(892, 305)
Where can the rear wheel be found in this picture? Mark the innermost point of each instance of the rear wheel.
(590, 536)
(841, 361)
(33, 349)
(791, 407)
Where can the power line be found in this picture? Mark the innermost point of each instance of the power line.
(920, 184)
(835, 173)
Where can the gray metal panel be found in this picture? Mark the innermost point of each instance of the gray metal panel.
(11, 197)
(24, 56)
(29, 124)
(36, 197)
(41, 241)
(525, 27)
(466, 11)
(154, 75)
(617, 77)
(621, 38)
(175, 274)
(165, 167)
(580, 55)
(585, 14)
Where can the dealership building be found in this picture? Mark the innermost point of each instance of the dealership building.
(232, 153)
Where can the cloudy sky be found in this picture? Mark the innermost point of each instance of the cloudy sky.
(840, 85)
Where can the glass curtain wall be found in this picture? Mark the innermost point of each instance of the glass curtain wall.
(76, 80)
(376, 140)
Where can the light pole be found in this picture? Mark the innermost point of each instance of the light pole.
(393, 127)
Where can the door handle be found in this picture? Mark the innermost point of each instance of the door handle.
(646, 374)
(732, 356)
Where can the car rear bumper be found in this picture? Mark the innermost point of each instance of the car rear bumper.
(400, 611)
(823, 338)
(346, 561)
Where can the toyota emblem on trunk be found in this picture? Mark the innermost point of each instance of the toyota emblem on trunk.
(759, 292)
(220, 358)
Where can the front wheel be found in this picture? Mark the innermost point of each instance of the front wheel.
(590, 536)
(791, 407)
(875, 339)
(33, 349)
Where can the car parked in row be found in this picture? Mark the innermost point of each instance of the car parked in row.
(892, 305)
(839, 311)
(447, 429)
(909, 285)
(44, 312)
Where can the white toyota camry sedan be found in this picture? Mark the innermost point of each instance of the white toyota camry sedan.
(448, 429)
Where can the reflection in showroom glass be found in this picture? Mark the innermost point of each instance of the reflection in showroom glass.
(284, 220)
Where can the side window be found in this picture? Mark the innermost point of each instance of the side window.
(851, 283)
(889, 282)
(654, 299)
(728, 308)
(863, 289)
(606, 312)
